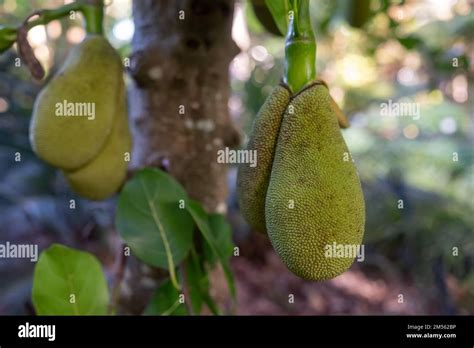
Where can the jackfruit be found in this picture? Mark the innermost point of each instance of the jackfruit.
(252, 182)
(309, 185)
(73, 115)
(105, 174)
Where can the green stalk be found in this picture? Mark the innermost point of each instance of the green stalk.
(93, 13)
(300, 48)
(8, 34)
(94, 16)
(46, 16)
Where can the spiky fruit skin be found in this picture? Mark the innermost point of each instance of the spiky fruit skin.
(314, 197)
(252, 182)
(105, 174)
(90, 74)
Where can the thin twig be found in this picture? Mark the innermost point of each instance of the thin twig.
(185, 288)
(26, 52)
(118, 281)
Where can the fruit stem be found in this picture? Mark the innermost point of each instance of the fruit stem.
(46, 16)
(93, 12)
(300, 48)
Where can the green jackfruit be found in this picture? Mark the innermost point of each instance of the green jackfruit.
(73, 115)
(105, 174)
(313, 198)
(252, 182)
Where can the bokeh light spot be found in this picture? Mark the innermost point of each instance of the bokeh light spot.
(411, 131)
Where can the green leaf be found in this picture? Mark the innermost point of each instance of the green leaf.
(358, 12)
(202, 221)
(259, 18)
(151, 222)
(279, 10)
(211, 304)
(198, 285)
(410, 42)
(165, 301)
(64, 275)
(7, 37)
(222, 233)
(196, 281)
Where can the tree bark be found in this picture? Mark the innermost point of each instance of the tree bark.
(178, 107)
(178, 104)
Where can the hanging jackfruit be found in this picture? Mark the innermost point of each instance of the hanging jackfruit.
(105, 174)
(252, 182)
(311, 193)
(73, 115)
(80, 121)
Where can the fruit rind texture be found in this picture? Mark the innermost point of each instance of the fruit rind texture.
(105, 174)
(252, 182)
(314, 196)
(91, 73)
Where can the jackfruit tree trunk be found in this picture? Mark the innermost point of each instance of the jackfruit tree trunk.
(181, 52)
(178, 103)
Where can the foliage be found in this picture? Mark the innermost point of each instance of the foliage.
(151, 222)
(159, 233)
(69, 282)
(155, 218)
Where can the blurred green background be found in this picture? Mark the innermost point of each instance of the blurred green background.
(369, 52)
